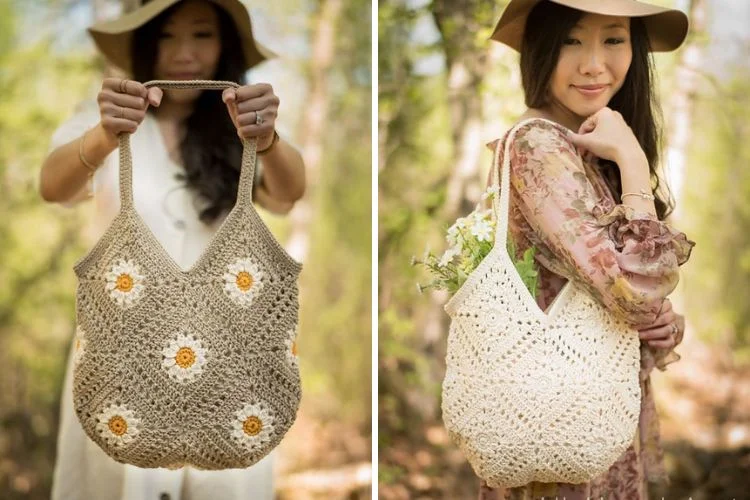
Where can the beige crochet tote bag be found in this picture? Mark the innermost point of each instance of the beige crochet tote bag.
(193, 366)
(532, 395)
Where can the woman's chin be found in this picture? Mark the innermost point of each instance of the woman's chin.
(182, 96)
(589, 108)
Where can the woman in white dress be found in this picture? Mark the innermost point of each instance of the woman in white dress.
(186, 165)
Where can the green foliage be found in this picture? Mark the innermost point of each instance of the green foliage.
(471, 239)
(38, 246)
(336, 316)
(526, 267)
(417, 156)
(40, 242)
(717, 216)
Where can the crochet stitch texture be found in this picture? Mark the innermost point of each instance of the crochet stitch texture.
(532, 395)
(187, 367)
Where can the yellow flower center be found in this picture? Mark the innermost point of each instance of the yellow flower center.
(185, 357)
(124, 283)
(118, 425)
(252, 426)
(244, 281)
(294, 347)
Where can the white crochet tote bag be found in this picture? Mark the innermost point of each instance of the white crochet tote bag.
(532, 395)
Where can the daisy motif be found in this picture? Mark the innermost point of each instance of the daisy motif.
(243, 282)
(118, 425)
(253, 426)
(184, 358)
(291, 347)
(80, 345)
(124, 282)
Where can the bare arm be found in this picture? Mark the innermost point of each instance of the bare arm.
(635, 178)
(283, 180)
(122, 107)
(63, 174)
(606, 134)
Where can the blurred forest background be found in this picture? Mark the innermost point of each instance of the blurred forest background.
(444, 92)
(323, 76)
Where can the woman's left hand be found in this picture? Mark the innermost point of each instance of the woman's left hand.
(253, 109)
(666, 331)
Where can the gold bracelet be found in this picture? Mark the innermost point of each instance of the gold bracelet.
(643, 194)
(270, 146)
(86, 163)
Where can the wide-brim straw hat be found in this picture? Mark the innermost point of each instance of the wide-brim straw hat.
(113, 38)
(667, 28)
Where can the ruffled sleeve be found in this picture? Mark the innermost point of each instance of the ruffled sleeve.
(626, 259)
(85, 117)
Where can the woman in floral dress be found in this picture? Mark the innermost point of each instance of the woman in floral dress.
(585, 194)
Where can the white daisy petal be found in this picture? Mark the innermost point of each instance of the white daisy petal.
(80, 345)
(118, 425)
(291, 347)
(184, 358)
(253, 426)
(124, 282)
(243, 281)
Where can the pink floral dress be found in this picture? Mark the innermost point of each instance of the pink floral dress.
(628, 260)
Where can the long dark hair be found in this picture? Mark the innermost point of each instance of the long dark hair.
(547, 27)
(211, 150)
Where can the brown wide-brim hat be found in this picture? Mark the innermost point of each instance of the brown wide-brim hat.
(113, 38)
(667, 28)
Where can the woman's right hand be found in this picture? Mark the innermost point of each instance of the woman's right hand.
(667, 329)
(123, 105)
(608, 136)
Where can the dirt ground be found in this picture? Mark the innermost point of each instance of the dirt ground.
(324, 460)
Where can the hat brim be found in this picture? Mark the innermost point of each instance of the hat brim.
(113, 38)
(666, 28)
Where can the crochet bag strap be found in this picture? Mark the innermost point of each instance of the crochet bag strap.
(249, 147)
(501, 203)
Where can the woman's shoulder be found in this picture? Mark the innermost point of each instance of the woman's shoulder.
(536, 136)
(534, 131)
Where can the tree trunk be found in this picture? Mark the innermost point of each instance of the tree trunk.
(314, 120)
(681, 104)
(467, 63)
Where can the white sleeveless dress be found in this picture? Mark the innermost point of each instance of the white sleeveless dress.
(82, 470)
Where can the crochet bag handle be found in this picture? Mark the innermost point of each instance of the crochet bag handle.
(501, 200)
(249, 146)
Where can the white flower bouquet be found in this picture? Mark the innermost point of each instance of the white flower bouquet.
(470, 239)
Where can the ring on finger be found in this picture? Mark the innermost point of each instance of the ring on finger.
(122, 113)
(674, 328)
(124, 86)
(258, 118)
